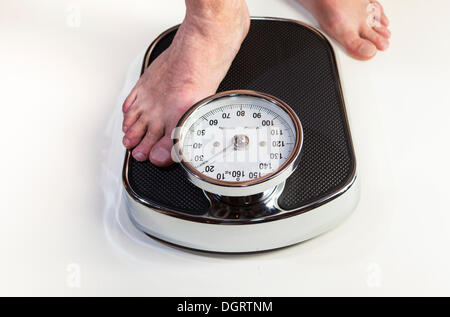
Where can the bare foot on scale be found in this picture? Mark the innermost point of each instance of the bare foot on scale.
(188, 71)
(203, 50)
(361, 26)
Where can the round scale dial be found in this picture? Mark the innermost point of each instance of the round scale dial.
(238, 139)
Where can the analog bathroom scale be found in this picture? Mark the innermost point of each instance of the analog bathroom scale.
(266, 162)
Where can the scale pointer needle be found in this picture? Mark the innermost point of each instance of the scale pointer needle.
(214, 156)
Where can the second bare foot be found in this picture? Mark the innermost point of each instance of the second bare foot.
(361, 26)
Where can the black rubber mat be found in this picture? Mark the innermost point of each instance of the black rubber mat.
(297, 65)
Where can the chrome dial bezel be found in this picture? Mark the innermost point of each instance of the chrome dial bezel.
(248, 187)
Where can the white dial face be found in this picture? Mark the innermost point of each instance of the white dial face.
(237, 138)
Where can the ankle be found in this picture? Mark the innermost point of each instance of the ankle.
(215, 19)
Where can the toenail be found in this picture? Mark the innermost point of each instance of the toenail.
(367, 50)
(126, 141)
(125, 128)
(159, 154)
(139, 156)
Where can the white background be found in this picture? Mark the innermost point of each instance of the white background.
(63, 230)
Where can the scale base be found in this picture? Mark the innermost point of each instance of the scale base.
(260, 234)
(295, 63)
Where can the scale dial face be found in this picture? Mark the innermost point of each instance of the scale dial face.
(238, 139)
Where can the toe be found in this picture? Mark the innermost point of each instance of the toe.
(383, 31)
(358, 47)
(135, 133)
(130, 118)
(129, 100)
(160, 154)
(142, 151)
(383, 18)
(378, 40)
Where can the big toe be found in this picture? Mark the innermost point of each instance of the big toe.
(358, 47)
(160, 154)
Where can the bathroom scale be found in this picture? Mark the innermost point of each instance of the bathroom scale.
(266, 162)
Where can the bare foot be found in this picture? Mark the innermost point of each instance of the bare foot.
(359, 25)
(188, 71)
